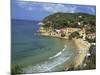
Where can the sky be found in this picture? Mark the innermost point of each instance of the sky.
(38, 10)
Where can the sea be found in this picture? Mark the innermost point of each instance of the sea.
(36, 53)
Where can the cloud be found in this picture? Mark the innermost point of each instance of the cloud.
(26, 5)
(58, 8)
(53, 8)
(47, 7)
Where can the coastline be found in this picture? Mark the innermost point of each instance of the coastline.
(54, 36)
(82, 49)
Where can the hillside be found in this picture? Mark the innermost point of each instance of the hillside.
(61, 20)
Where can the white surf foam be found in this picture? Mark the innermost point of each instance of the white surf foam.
(46, 66)
(59, 53)
(49, 65)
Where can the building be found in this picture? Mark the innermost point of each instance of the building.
(57, 31)
(40, 23)
(42, 30)
(71, 30)
(91, 36)
(82, 33)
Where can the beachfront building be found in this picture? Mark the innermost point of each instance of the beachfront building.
(68, 31)
(57, 31)
(91, 36)
(42, 29)
(71, 30)
(82, 33)
(61, 32)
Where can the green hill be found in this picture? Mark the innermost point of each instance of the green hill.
(61, 20)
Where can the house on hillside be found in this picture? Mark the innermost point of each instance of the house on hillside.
(80, 16)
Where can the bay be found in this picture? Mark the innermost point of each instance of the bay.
(37, 53)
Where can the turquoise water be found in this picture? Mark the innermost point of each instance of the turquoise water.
(37, 53)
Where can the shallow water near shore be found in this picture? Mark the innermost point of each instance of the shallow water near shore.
(36, 53)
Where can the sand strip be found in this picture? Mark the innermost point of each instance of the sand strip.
(83, 48)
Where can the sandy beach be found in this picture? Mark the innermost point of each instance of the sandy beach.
(82, 50)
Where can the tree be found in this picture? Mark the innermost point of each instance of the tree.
(74, 34)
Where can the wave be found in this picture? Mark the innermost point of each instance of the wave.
(50, 65)
(47, 66)
(59, 53)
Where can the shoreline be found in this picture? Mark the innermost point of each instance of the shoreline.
(54, 36)
(82, 49)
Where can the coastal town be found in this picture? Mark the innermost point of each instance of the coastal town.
(83, 40)
(51, 37)
(66, 32)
